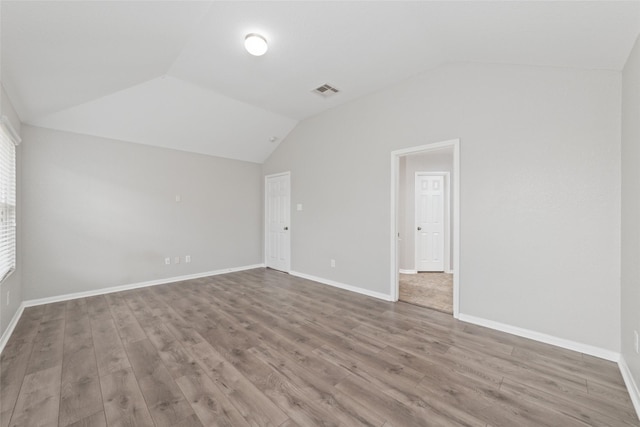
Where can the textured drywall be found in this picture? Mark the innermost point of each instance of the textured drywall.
(631, 210)
(540, 191)
(99, 213)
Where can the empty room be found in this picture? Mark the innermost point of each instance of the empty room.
(319, 213)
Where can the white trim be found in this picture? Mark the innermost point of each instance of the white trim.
(403, 271)
(12, 325)
(266, 226)
(455, 241)
(538, 336)
(446, 178)
(425, 147)
(102, 291)
(632, 386)
(344, 286)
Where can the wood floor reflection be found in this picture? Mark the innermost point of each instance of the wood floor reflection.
(261, 348)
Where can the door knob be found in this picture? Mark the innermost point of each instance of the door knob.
(419, 228)
(286, 228)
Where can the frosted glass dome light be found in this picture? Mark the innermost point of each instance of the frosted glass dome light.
(255, 44)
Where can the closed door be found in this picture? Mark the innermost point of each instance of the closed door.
(430, 215)
(277, 242)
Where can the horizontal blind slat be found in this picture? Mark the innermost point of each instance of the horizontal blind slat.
(7, 205)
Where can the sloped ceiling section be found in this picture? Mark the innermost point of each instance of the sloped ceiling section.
(100, 68)
(166, 110)
(175, 74)
(57, 55)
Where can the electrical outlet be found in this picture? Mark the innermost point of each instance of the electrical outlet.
(167, 261)
(9, 295)
(333, 263)
(187, 259)
(176, 260)
(636, 343)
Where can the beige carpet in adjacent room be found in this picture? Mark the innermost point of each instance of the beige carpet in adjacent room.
(433, 290)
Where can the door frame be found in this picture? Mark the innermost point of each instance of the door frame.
(455, 193)
(266, 223)
(446, 256)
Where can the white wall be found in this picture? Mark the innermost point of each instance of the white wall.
(13, 283)
(433, 161)
(631, 210)
(540, 191)
(99, 213)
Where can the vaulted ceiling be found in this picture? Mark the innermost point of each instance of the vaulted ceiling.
(175, 73)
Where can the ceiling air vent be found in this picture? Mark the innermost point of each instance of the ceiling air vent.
(325, 90)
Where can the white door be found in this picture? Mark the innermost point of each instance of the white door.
(277, 243)
(430, 217)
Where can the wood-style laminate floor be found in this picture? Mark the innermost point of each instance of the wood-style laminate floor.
(261, 348)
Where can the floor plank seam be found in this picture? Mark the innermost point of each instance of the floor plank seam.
(22, 382)
(259, 348)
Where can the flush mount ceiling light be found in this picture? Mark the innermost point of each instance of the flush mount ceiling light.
(255, 44)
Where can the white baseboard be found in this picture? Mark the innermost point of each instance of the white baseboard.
(335, 284)
(403, 271)
(632, 386)
(102, 291)
(538, 336)
(12, 325)
(33, 302)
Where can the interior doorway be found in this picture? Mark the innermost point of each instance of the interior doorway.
(425, 225)
(277, 241)
(432, 216)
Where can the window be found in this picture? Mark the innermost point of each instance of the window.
(8, 141)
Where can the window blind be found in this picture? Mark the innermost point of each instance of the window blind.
(8, 141)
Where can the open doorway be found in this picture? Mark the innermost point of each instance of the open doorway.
(425, 226)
